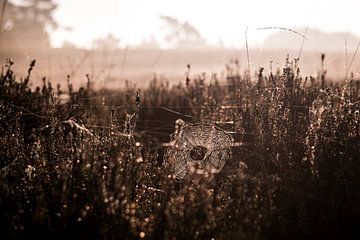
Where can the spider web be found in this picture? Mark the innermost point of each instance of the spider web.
(198, 148)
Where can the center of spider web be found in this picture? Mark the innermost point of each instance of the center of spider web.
(197, 153)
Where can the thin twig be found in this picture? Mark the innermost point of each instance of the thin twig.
(247, 52)
(123, 62)
(178, 113)
(306, 30)
(346, 58)
(284, 29)
(352, 59)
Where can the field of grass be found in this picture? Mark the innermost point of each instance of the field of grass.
(90, 163)
(112, 67)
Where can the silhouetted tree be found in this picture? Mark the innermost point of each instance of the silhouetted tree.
(182, 34)
(26, 23)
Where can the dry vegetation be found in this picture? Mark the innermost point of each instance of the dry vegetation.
(91, 165)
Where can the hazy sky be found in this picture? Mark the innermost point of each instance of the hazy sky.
(135, 20)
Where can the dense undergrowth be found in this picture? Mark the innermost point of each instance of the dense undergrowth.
(90, 165)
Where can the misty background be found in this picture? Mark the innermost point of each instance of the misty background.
(117, 40)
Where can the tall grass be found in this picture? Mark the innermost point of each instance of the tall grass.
(83, 167)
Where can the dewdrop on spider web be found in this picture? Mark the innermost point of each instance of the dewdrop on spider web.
(198, 150)
(130, 123)
(113, 125)
(179, 127)
(131, 119)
